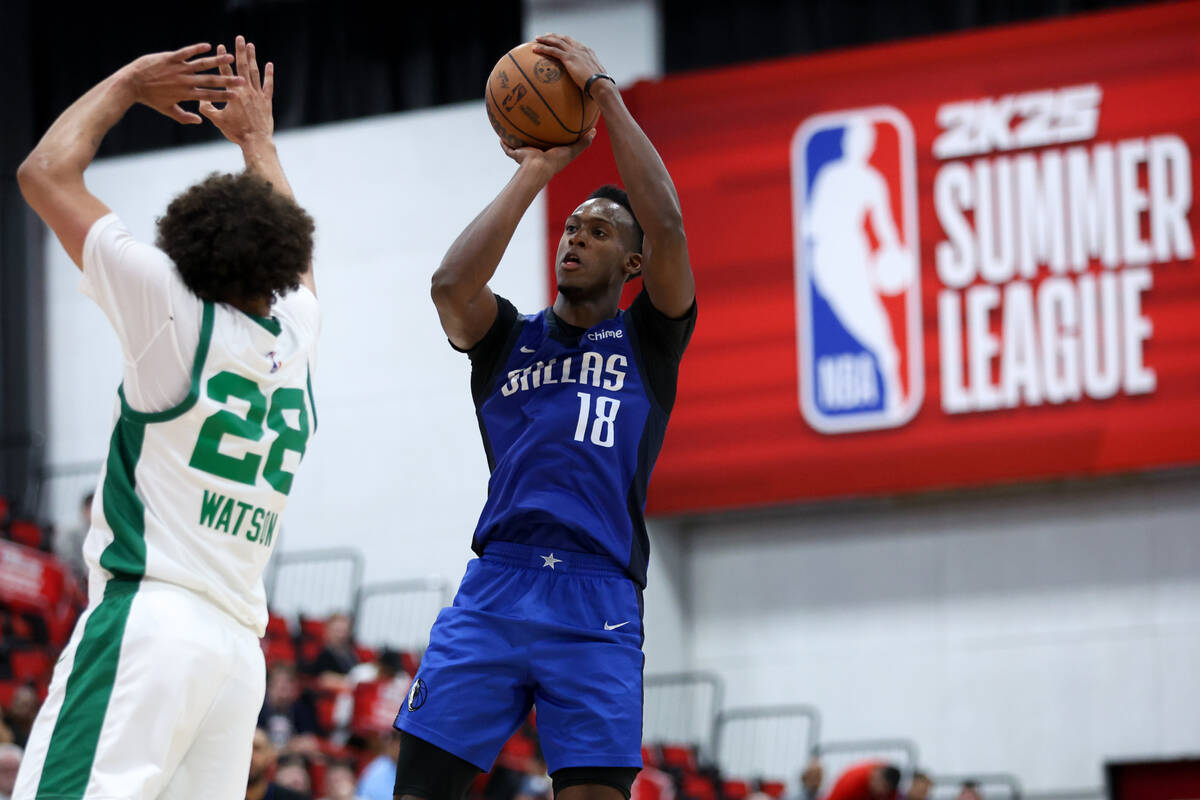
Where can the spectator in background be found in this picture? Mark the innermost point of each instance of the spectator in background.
(288, 720)
(811, 779)
(379, 778)
(339, 782)
(291, 772)
(870, 780)
(920, 786)
(969, 791)
(6, 734)
(68, 544)
(22, 712)
(10, 761)
(337, 656)
(259, 785)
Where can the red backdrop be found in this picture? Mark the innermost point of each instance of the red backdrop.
(737, 436)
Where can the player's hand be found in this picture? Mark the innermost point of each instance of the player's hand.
(555, 159)
(578, 59)
(247, 113)
(163, 80)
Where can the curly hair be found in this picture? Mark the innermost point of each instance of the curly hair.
(234, 239)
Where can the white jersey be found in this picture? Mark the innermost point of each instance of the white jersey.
(192, 491)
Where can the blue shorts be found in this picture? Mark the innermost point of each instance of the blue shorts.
(559, 631)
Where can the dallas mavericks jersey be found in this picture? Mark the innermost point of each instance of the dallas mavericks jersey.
(572, 422)
(193, 495)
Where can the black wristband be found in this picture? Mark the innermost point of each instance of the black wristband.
(587, 87)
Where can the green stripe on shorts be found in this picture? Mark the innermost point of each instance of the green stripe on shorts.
(72, 749)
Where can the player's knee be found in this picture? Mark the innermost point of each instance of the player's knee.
(593, 783)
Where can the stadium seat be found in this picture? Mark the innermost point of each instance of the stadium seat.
(31, 665)
(25, 532)
(773, 789)
(735, 790)
(7, 690)
(277, 627)
(650, 757)
(698, 787)
(679, 756)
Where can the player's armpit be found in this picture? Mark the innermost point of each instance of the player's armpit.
(64, 202)
(465, 322)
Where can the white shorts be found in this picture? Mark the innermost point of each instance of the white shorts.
(155, 696)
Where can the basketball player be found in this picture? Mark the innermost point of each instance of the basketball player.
(156, 693)
(572, 403)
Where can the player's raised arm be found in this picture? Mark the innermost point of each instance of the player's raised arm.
(51, 177)
(666, 269)
(247, 120)
(465, 304)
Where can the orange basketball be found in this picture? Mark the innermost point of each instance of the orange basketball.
(532, 101)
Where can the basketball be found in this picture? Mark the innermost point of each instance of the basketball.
(532, 102)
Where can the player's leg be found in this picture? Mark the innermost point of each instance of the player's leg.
(472, 689)
(128, 696)
(217, 764)
(428, 772)
(589, 688)
(593, 783)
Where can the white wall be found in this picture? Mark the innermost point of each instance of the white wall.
(624, 34)
(1038, 631)
(397, 467)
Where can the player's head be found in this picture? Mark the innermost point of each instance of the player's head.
(859, 140)
(235, 240)
(600, 247)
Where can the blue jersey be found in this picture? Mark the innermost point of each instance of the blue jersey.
(572, 422)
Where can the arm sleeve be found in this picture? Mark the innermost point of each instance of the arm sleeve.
(662, 340)
(301, 309)
(156, 318)
(488, 355)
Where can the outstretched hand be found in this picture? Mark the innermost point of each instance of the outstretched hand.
(164, 80)
(556, 158)
(579, 59)
(248, 108)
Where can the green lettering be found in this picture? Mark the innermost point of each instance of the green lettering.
(244, 507)
(226, 514)
(272, 518)
(208, 509)
(256, 521)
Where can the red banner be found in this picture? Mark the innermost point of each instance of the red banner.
(951, 262)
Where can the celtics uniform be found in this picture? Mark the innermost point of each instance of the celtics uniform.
(158, 689)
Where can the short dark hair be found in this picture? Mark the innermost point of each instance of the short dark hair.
(618, 195)
(891, 776)
(235, 239)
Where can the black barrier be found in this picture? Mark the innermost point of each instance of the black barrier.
(769, 742)
(399, 614)
(680, 708)
(314, 583)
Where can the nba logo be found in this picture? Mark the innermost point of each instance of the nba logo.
(858, 289)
